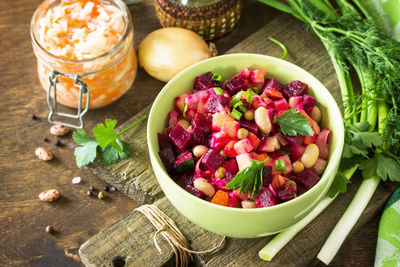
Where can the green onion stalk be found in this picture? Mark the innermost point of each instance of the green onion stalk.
(352, 42)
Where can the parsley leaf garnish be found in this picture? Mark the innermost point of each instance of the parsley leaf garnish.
(86, 152)
(248, 178)
(105, 145)
(382, 166)
(339, 184)
(293, 123)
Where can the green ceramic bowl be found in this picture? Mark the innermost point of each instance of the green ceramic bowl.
(235, 222)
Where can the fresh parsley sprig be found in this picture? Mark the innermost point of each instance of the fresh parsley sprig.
(293, 123)
(249, 178)
(106, 144)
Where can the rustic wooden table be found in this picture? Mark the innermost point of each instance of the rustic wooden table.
(76, 217)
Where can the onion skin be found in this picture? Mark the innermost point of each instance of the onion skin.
(167, 51)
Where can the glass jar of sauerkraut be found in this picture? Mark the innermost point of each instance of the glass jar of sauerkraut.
(89, 38)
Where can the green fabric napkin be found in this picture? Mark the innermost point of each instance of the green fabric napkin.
(388, 245)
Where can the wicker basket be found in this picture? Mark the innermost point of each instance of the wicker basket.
(210, 22)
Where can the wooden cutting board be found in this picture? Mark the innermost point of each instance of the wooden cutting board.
(132, 236)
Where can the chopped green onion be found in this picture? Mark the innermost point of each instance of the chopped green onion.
(216, 77)
(236, 114)
(184, 110)
(280, 45)
(240, 106)
(236, 97)
(249, 97)
(218, 91)
(280, 165)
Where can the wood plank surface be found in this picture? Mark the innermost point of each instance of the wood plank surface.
(304, 50)
(76, 217)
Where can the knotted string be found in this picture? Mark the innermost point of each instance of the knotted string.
(167, 227)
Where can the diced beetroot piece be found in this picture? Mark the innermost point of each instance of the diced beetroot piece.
(229, 149)
(281, 105)
(198, 137)
(257, 76)
(212, 160)
(184, 179)
(286, 194)
(288, 163)
(218, 119)
(294, 140)
(307, 104)
(251, 126)
(294, 101)
(267, 175)
(265, 199)
(194, 191)
(269, 144)
(173, 118)
(295, 152)
(180, 101)
(202, 122)
(322, 142)
(219, 183)
(163, 141)
(245, 73)
(205, 81)
(255, 141)
(307, 178)
(243, 146)
(167, 158)
(236, 84)
(219, 140)
(243, 161)
(231, 169)
(319, 166)
(294, 88)
(179, 137)
(217, 103)
(233, 200)
(274, 84)
(230, 128)
(276, 154)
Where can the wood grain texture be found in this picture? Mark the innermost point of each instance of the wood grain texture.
(304, 51)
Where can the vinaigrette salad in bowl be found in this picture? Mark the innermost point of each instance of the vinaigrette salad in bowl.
(245, 141)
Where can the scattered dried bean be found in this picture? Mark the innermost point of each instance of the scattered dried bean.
(59, 130)
(49, 195)
(43, 154)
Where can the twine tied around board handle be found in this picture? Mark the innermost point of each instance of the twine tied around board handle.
(178, 242)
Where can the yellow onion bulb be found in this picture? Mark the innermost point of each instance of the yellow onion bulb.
(167, 51)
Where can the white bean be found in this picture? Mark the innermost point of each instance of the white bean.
(204, 186)
(183, 123)
(43, 154)
(248, 204)
(59, 130)
(310, 155)
(262, 120)
(199, 150)
(316, 114)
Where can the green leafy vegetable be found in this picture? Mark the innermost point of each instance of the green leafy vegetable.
(280, 45)
(250, 178)
(339, 184)
(184, 110)
(86, 152)
(105, 144)
(293, 123)
(382, 166)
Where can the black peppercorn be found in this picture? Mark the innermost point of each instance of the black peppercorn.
(106, 188)
(34, 117)
(46, 139)
(57, 143)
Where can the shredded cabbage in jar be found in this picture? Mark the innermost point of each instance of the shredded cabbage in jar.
(80, 29)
